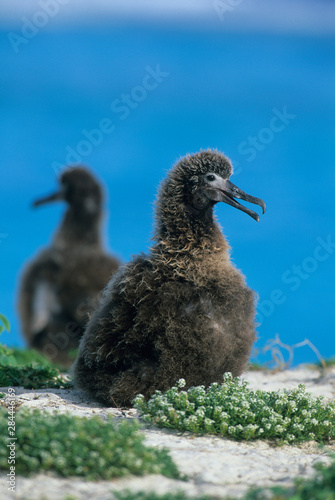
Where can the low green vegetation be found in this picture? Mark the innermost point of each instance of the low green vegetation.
(73, 446)
(4, 324)
(24, 357)
(28, 356)
(5, 354)
(31, 377)
(327, 363)
(15, 372)
(233, 410)
(26, 368)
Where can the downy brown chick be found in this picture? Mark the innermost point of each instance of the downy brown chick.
(63, 283)
(183, 310)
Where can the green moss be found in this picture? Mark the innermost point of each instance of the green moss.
(73, 446)
(233, 410)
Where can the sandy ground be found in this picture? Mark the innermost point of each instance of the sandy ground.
(214, 466)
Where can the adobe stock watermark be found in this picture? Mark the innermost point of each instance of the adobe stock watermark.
(59, 342)
(30, 27)
(121, 109)
(295, 276)
(10, 404)
(254, 144)
(257, 143)
(223, 6)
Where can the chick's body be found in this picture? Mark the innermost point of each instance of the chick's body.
(63, 283)
(181, 311)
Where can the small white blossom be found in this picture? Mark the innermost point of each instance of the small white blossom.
(181, 383)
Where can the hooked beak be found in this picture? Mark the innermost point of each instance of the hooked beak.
(227, 191)
(59, 195)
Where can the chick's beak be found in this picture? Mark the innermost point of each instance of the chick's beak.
(227, 192)
(59, 195)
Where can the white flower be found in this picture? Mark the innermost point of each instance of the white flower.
(245, 404)
(181, 383)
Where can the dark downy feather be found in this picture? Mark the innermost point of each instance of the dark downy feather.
(182, 311)
(63, 284)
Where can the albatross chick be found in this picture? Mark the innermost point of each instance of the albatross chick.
(64, 282)
(181, 311)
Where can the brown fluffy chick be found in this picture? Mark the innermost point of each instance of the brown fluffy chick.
(183, 310)
(63, 283)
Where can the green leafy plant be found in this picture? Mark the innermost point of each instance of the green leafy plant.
(26, 368)
(28, 357)
(32, 377)
(233, 410)
(6, 357)
(5, 323)
(73, 446)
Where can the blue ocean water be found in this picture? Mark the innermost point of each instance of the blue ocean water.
(266, 100)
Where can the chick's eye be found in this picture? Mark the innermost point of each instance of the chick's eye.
(210, 177)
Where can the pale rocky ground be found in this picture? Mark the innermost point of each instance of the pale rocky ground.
(215, 466)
